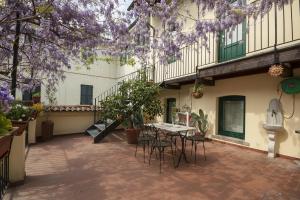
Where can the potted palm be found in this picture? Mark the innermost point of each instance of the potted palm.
(198, 90)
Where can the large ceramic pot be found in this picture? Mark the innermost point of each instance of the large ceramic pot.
(132, 135)
(47, 130)
(5, 142)
(22, 125)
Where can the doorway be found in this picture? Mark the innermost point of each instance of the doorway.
(171, 104)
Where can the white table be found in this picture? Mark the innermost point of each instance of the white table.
(183, 130)
(172, 127)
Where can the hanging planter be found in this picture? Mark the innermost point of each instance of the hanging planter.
(197, 95)
(198, 91)
(276, 70)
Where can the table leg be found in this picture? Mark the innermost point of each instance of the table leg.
(182, 153)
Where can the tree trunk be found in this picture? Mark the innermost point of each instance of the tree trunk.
(15, 55)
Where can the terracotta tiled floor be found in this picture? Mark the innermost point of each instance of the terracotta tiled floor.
(72, 168)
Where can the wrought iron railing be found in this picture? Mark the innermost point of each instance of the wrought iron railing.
(278, 29)
(145, 72)
(4, 174)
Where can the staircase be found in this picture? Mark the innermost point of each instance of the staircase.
(100, 129)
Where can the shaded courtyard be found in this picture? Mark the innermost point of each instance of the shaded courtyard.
(71, 167)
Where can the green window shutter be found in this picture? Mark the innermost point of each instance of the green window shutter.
(86, 94)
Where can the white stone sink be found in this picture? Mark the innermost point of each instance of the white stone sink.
(273, 128)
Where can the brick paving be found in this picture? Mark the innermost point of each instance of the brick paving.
(71, 168)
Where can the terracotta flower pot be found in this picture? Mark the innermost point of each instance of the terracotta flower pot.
(132, 135)
(5, 142)
(22, 126)
(197, 95)
(36, 99)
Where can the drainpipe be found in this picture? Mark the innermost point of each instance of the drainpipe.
(276, 57)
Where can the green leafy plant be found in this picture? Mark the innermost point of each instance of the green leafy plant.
(51, 94)
(19, 112)
(36, 94)
(5, 125)
(134, 98)
(200, 121)
(198, 88)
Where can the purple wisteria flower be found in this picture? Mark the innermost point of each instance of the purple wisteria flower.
(6, 98)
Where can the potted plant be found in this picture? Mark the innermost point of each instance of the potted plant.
(200, 121)
(19, 115)
(133, 125)
(5, 134)
(36, 97)
(37, 108)
(48, 125)
(6, 129)
(134, 98)
(198, 90)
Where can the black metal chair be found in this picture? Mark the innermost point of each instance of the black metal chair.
(173, 137)
(160, 143)
(196, 138)
(145, 138)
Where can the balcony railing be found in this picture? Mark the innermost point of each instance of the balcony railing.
(278, 29)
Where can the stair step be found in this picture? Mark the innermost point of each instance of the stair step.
(93, 132)
(100, 126)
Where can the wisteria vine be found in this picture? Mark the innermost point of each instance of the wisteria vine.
(53, 32)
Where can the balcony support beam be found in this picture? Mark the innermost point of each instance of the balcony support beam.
(249, 64)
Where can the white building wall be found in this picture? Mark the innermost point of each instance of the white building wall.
(101, 75)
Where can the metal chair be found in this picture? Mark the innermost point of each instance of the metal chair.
(196, 138)
(145, 137)
(173, 137)
(160, 144)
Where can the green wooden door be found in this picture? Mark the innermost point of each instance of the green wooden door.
(232, 116)
(232, 44)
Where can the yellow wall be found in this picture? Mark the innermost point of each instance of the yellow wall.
(259, 90)
(17, 159)
(66, 122)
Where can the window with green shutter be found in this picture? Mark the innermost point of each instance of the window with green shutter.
(86, 95)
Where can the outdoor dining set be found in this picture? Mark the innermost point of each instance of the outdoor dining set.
(159, 137)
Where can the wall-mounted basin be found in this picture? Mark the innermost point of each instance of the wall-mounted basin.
(273, 125)
(274, 128)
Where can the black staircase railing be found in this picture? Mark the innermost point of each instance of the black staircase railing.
(147, 72)
(4, 174)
